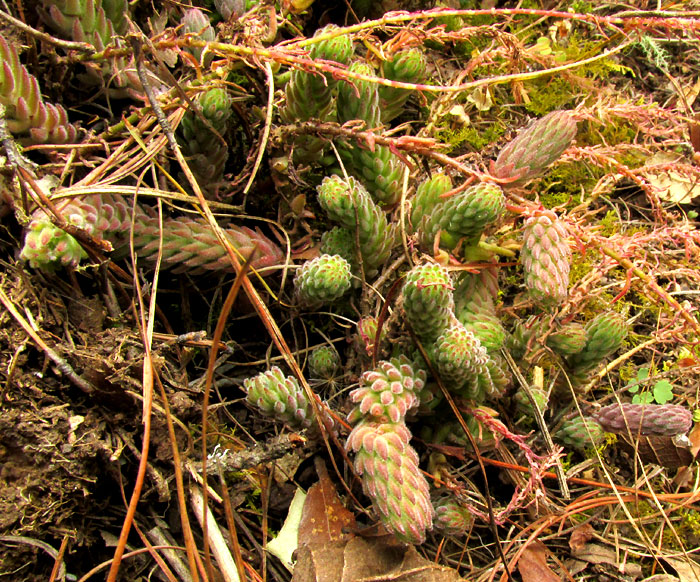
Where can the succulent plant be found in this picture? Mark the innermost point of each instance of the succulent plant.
(568, 340)
(427, 197)
(645, 419)
(486, 327)
(309, 94)
(359, 99)
(546, 257)
(499, 376)
(196, 23)
(407, 66)
(387, 392)
(188, 244)
(523, 402)
(468, 213)
(391, 478)
(206, 150)
(535, 148)
(230, 8)
(477, 290)
(367, 328)
(459, 359)
(379, 169)
(324, 362)
(104, 217)
(384, 458)
(339, 241)
(475, 308)
(117, 11)
(485, 387)
(462, 362)
(604, 336)
(428, 301)
(47, 246)
(28, 116)
(95, 22)
(99, 23)
(451, 517)
(524, 336)
(322, 280)
(580, 433)
(462, 216)
(280, 397)
(348, 203)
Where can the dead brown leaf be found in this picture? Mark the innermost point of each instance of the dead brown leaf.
(687, 570)
(378, 558)
(660, 450)
(598, 554)
(580, 537)
(319, 562)
(673, 186)
(324, 518)
(694, 438)
(694, 131)
(532, 564)
(329, 553)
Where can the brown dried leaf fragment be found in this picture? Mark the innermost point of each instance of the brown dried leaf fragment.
(580, 537)
(324, 518)
(532, 564)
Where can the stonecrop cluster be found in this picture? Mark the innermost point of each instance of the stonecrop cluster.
(405, 257)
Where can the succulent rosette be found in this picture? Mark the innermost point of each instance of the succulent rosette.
(367, 329)
(427, 197)
(476, 310)
(407, 66)
(546, 258)
(568, 340)
(645, 419)
(463, 216)
(379, 169)
(322, 280)
(196, 24)
(580, 433)
(348, 203)
(451, 517)
(324, 362)
(309, 94)
(27, 114)
(205, 149)
(428, 301)
(391, 478)
(536, 147)
(388, 392)
(460, 360)
(280, 397)
(604, 336)
(187, 244)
